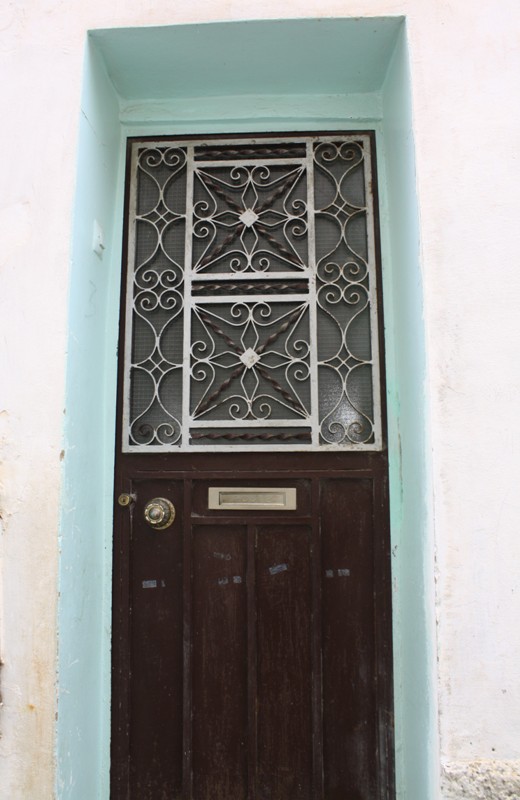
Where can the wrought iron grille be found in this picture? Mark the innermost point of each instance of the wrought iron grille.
(251, 297)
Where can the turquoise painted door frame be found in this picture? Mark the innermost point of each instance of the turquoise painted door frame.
(125, 96)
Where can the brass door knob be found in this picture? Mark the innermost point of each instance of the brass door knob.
(159, 513)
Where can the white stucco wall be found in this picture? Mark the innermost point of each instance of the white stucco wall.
(468, 190)
(465, 68)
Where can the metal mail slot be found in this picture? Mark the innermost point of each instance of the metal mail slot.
(238, 498)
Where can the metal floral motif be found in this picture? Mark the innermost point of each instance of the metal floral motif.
(252, 359)
(251, 315)
(249, 218)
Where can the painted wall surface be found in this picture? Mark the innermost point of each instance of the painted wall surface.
(458, 515)
(469, 190)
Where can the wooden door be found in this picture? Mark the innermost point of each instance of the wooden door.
(252, 634)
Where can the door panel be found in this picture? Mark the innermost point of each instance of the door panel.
(251, 648)
(155, 657)
(348, 609)
(284, 662)
(219, 661)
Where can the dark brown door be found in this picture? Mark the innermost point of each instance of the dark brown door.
(252, 623)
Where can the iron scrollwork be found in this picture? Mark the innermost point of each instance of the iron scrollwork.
(251, 314)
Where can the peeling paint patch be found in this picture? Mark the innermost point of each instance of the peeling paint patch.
(277, 568)
(481, 780)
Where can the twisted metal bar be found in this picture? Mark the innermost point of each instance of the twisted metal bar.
(213, 325)
(276, 334)
(250, 151)
(209, 400)
(221, 247)
(287, 396)
(268, 202)
(244, 287)
(217, 188)
(289, 255)
(265, 437)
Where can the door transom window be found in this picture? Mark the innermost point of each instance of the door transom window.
(251, 296)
